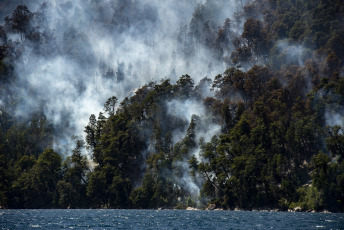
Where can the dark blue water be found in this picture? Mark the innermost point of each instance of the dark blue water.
(166, 219)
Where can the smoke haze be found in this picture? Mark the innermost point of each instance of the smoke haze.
(99, 49)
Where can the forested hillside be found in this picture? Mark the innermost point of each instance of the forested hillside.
(239, 104)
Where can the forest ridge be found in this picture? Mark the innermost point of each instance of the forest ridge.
(267, 132)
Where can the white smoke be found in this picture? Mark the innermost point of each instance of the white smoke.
(334, 117)
(206, 129)
(136, 40)
(294, 54)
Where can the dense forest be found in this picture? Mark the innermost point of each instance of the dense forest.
(267, 132)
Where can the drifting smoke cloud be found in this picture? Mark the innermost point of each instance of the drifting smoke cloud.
(291, 54)
(105, 48)
(185, 110)
(334, 117)
(206, 129)
(185, 179)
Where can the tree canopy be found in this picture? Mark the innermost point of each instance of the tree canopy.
(265, 133)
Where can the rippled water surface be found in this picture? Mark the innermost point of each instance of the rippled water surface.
(166, 219)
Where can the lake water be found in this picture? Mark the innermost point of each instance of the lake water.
(166, 219)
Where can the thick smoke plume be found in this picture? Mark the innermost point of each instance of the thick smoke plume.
(99, 49)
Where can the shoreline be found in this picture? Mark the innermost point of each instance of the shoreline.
(186, 209)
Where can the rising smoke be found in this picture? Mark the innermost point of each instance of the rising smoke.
(99, 49)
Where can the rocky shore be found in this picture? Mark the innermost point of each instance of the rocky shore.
(213, 207)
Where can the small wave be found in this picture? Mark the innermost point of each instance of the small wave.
(35, 226)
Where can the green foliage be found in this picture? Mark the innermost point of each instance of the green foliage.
(142, 197)
(310, 199)
(36, 187)
(72, 188)
(320, 171)
(110, 105)
(273, 149)
(335, 141)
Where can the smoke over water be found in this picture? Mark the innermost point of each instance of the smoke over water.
(99, 49)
